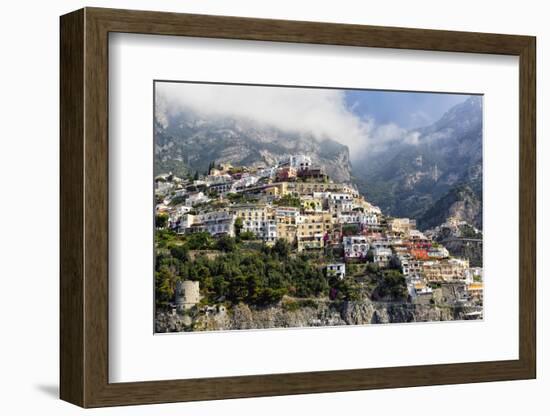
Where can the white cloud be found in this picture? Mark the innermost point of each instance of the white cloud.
(321, 112)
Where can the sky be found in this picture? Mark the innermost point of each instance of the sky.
(360, 119)
(408, 110)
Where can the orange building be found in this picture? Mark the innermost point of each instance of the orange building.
(420, 254)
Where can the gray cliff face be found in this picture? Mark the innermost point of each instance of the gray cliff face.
(325, 314)
(185, 142)
(460, 203)
(462, 241)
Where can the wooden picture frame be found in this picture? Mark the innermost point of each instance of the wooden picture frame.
(84, 207)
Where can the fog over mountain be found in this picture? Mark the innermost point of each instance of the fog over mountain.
(185, 142)
(318, 113)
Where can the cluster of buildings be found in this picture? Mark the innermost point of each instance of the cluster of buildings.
(296, 201)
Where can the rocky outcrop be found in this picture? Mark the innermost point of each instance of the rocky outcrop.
(461, 203)
(325, 314)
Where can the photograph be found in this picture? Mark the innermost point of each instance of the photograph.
(285, 207)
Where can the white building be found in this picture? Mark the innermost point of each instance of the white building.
(289, 213)
(177, 212)
(181, 209)
(419, 288)
(300, 162)
(180, 192)
(244, 183)
(415, 268)
(370, 218)
(350, 217)
(438, 252)
(221, 187)
(196, 198)
(336, 269)
(416, 235)
(185, 222)
(162, 187)
(357, 217)
(340, 205)
(266, 228)
(257, 219)
(339, 196)
(355, 247)
(214, 223)
(382, 256)
(381, 243)
(405, 266)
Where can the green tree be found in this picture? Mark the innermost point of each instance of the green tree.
(370, 255)
(238, 226)
(177, 200)
(180, 252)
(226, 243)
(161, 220)
(247, 235)
(348, 290)
(165, 283)
(281, 247)
(352, 269)
(392, 284)
(350, 229)
(199, 241)
(288, 201)
(268, 296)
(211, 166)
(238, 289)
(394, 263)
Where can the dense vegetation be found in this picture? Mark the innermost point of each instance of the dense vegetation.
(237, 273)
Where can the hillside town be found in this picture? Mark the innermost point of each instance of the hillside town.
(295, 204)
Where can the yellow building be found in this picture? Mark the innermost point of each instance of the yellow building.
(286, 232)
(311, 230)
(251, 212)
(310, 225)
(310, 243)
(445, 270)
(401, 225)
(286, 219)
(277, 189)
(475, 291)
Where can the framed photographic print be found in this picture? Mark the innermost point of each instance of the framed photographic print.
(256, 207)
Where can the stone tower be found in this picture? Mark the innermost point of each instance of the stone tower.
(187, 294)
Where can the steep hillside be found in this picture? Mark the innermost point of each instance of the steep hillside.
(460, 203)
